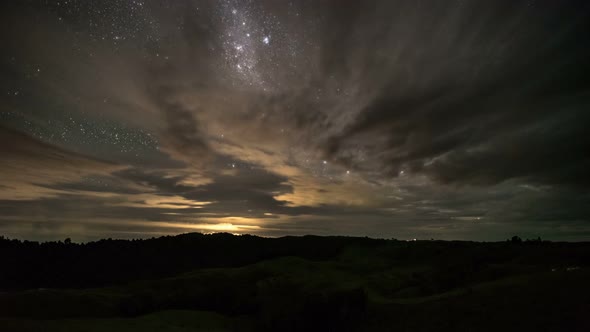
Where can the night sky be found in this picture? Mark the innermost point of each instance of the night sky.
(409, 119)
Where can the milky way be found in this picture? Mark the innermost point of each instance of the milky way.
(450, 120)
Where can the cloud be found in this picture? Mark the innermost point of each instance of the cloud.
(182, 137)
(461, 101)
(29, 167)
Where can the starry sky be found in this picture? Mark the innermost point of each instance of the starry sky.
(423, 119)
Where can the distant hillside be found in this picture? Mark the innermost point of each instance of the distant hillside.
(222, 282)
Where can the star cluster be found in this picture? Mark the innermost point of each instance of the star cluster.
(259, 50)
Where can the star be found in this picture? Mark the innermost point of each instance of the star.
(266, 40)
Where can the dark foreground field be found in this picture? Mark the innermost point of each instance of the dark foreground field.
(221, 282)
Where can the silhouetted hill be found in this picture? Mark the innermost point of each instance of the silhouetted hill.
(105, 262)
(223, 282)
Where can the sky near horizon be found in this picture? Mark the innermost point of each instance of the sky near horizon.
(405, 119)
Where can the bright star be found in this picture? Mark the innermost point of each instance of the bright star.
(266, 40)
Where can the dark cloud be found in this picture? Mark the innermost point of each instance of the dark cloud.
(468, 100)
(182, 132)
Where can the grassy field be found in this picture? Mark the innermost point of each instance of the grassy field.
(165, 321)
(407, 287)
